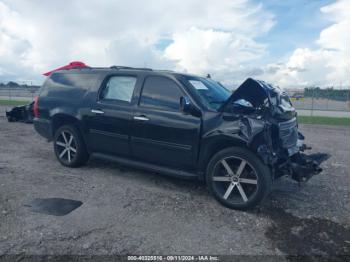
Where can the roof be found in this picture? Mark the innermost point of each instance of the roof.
(124, 69)
(81, 67)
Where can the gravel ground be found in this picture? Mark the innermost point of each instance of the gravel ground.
(128, 211)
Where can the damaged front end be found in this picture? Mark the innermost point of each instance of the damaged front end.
(268, 122)
(22, 113)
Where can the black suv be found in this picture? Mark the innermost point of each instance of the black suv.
(176, 124)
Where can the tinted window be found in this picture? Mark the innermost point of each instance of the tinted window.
(119, 88)
(160, 92)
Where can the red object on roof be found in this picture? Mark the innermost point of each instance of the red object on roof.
(71, 65)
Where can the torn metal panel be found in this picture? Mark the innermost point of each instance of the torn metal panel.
(250, 127)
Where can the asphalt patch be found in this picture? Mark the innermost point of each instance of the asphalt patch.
(307, 236)
(54, 206)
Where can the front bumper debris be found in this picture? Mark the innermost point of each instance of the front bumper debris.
(22, 113)
(303, 167)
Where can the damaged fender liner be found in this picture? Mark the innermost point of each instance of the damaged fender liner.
(267, 122)
(299, 166)
(285, 159)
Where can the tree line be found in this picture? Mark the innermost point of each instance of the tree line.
(12, 84)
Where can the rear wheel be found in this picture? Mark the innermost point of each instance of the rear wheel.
(237, 178)
(69, 146)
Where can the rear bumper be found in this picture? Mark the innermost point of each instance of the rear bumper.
(43, 127)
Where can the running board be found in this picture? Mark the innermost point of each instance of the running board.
(147, 166)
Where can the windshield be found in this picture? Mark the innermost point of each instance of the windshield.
(211, 93)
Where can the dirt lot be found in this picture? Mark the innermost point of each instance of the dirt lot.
(126, 211)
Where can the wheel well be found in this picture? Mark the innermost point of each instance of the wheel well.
(217, 146)
(62, 119)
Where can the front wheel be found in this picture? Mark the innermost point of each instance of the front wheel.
(237, 178)
(69, 146)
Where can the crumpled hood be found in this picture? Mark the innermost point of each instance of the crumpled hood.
(251, 90)
(258, 92)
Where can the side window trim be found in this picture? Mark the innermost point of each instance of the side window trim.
(103, 86)
(154, 107)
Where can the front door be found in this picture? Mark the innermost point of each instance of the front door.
(110, 117)
(161, 134)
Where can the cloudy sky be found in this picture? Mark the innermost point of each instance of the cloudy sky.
(290, 43)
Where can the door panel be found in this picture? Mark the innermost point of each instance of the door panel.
(166, 138)
(161, 134)
(110, 117)
(109, 132)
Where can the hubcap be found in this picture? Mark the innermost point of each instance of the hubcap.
(235, 180)
(66, 146)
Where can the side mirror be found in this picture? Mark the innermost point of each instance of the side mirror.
(243, 106)
(186, 105)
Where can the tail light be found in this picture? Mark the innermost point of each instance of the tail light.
(36, 107)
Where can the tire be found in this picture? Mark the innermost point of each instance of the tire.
(69, 146)
(238, 179)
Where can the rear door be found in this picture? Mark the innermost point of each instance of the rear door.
(111, 115)
(161, 134)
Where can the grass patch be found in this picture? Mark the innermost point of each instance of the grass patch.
(324, 120)
(13, 102)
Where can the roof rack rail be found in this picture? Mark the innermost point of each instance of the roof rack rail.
(166, 70)
(130, 68)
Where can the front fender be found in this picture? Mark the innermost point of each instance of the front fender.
(240, 132)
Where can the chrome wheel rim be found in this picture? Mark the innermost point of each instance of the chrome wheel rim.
(235, 180)
(66, 146)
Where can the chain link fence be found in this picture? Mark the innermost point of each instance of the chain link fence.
(16, 93)
(322, 101)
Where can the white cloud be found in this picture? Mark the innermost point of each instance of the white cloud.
(329, 63)
(205, 36)
(41, 35)
(13, 48)
(209, 51)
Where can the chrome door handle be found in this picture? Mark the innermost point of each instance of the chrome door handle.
(96, 111)
(141, 118)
